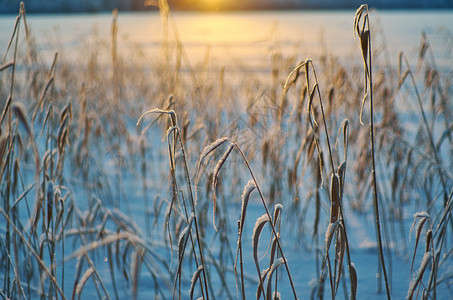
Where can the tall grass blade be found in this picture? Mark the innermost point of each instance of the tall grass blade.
(259, 225)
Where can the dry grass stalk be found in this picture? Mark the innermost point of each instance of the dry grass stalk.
(362, 30)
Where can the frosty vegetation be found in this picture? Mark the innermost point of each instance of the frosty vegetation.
(266, 186)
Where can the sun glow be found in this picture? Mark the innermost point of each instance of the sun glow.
(211, 4)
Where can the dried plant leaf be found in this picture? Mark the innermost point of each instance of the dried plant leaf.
(19, 109)
(79, 267)
(248, 189)
(159, 111)
(296, 70)
(5, 110)
(260, 288)
(277, 262)
(136, 261)
(277, 212)
(345, 127)
(273, 249)
(183, 236)
(211, 147)
(6, 66)
(429, 239)
(217, 168)
(334, 197)
(195, 277)
(353, 273)
(329, 234)
(259, 225)
(418, 275)
(339, 256)
(83, 281)
(341, 170)
(419, 219)
(310, 106)
(364, 40)
(39, 106)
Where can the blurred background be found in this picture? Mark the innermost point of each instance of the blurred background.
(42, 6)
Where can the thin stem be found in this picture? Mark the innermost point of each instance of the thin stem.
(373, 162)
(241, 262)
